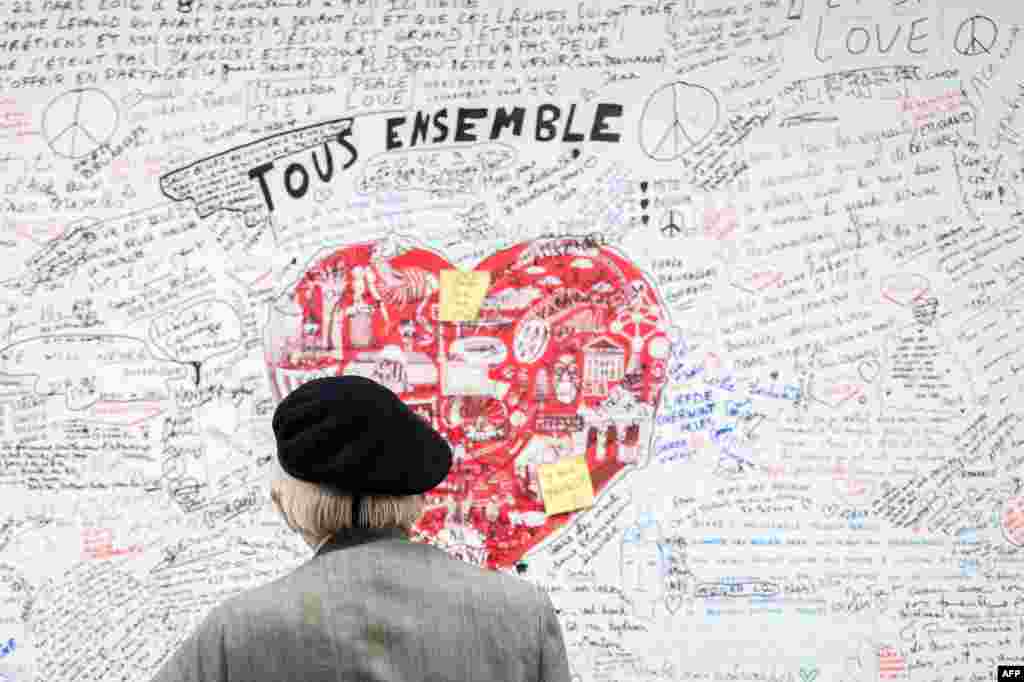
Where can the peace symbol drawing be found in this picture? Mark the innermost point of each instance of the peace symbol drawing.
(675, 118)
(975, 36)
(671, 228)
(78, 122)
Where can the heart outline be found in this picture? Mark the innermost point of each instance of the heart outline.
(566, 284)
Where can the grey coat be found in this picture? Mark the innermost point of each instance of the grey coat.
(371, 605)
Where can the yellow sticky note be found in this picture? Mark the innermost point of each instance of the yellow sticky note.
(462, 293)
(566, 485)
(311, 608)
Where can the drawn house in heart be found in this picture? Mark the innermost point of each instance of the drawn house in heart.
(613, 432)
(604, 363)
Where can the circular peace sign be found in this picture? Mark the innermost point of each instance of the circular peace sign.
(78, 122)
(976, 35)
(676, 118)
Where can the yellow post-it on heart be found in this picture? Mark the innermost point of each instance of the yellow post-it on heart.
(566, 485)
(311, 608)
(462, 294)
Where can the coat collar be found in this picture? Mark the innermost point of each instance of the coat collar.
(350, 537)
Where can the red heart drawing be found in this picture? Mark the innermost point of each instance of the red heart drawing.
(905, 289)
(566, 357)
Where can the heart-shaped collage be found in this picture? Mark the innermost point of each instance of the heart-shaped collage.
(566, 357)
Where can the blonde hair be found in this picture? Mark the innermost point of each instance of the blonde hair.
(318, 512)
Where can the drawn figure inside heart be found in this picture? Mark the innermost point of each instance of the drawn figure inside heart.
(566, 358)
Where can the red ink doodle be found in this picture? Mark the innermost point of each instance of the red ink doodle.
(97, 543)
(890, 664)
(1013, 520)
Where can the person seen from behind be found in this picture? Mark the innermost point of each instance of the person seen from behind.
(370, 604)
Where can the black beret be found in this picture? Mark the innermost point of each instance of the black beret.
(357, 436)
